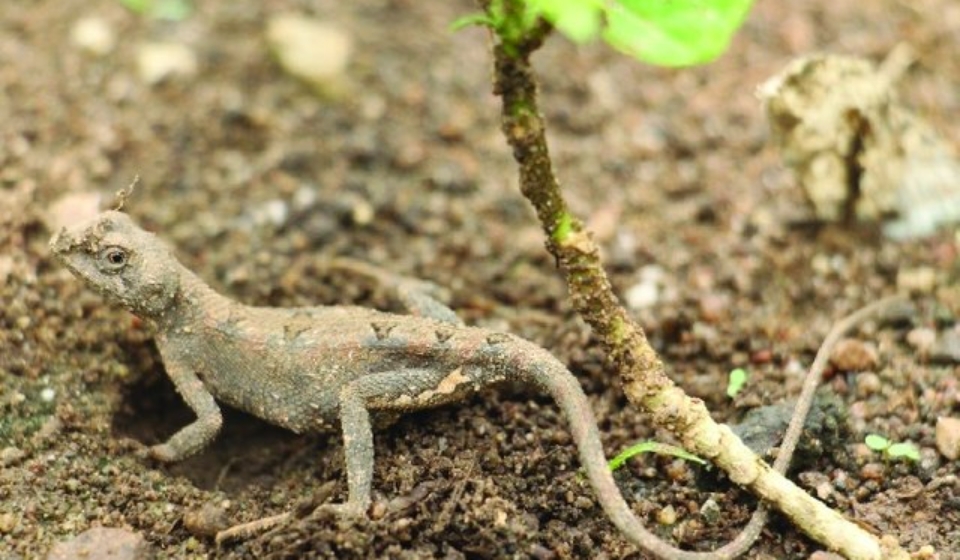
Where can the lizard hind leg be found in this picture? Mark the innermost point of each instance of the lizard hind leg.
(396, 391)
(390, 392)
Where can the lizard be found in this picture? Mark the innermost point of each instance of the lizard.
(309, 369)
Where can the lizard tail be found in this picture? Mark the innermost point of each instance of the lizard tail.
(566, 391)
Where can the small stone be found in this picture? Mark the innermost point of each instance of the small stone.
(862, 454)
(103, 543)
(8, 522)
(207, 521)
(948, 437)
(823, 555)
(667, 516)
(273, 212)
(867, 384)
(157, 62)
(311, 50)
(72, 209)
(921, 280)
(872, 471)
(714, 307)
(645, 293)
(642, 296)
(94, 35)
(946, 350)
(851, 354)
(922, 339)
(362, 213)
(6, 267)
(710, 512)
(11, 455)
(540, 552)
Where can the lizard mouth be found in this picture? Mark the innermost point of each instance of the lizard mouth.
(84, 235)
(63, 244)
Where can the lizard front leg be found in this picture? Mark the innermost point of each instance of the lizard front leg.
(195, 436)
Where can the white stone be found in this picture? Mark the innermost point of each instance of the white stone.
(161, 61)
(94, 35)
(71, 209)
(309, 49)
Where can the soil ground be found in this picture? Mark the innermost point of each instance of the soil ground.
(408, 170)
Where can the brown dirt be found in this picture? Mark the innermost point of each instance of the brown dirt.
(670, 166)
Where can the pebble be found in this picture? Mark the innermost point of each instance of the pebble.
(851, 354)
(11, 455)
(921, 280)
(867, 384)
(645, 293)
(946, 350)
(314, 51)
(103, 543)
(93, 35)
(872, 471)
(948, 437)
(667, 516)
(710, 512)
(161, 61)
(8, 522)
(823, 555)
(922, 339)
(714, 307)
(6, 267)
(206, 521)
(72, 209)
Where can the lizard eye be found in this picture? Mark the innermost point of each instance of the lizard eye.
(113, 259)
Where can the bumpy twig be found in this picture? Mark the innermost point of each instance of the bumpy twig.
(645, 382)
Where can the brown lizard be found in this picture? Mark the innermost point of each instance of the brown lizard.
(309, 369)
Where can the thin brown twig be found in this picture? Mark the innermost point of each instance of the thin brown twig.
(812, 380)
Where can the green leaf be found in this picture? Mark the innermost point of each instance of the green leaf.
(471, 19)
(738, 378)
(876, 442)
(651, 447)
(905, 450)
(673, 32)
(172, 10)
(579, 20)
(138, 6)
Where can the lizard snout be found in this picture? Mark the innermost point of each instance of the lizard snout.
(62, 242)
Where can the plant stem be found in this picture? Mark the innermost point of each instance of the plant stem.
(645, 382)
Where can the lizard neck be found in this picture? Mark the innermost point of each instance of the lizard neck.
(195, 304)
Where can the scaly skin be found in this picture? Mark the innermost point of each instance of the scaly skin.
(309, 369)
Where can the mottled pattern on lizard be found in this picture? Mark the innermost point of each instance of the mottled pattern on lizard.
(311, 369)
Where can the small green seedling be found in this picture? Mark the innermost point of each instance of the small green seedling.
(892, 450)
(651, 447)
(170, 10)
(736, 381)
(674, 33)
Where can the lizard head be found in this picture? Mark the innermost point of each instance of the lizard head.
(121, 261)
